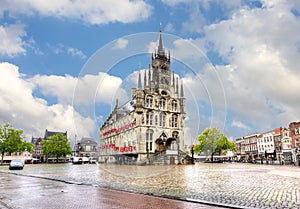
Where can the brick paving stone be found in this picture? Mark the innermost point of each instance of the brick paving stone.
(28, 192)
(264, 186)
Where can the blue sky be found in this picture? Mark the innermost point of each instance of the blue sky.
(64, 63)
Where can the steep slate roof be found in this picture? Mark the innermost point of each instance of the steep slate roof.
(51, 133)
(36, 140)
(88, 140)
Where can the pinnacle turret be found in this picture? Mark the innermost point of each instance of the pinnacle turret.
(161, 50)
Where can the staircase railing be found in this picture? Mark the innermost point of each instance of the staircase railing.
(151, 160)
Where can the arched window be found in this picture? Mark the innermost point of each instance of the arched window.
(174, 121)
(149, 118)
(162, 104)
(174, 144)
(175, 134)
(174, 105)
(149, 139)
(149, 101)
(162, 119)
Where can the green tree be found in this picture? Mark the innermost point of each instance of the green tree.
(11, 140)
(29, 147)
(212, 141)
(56, 146)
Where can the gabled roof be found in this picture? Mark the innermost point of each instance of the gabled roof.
(87, 140)
(277, 130)
(51, 133)
(36, 140)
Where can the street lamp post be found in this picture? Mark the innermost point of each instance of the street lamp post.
(192, 151)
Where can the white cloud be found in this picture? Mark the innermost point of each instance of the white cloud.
(196, 20)
(61, 87)
(89, 11)
(169, 28)
(262, 77)
(121, 43)
(20, 107)
(201, 13)
(96, 88)
(152, 46)
(62, 49)
(186, 51)
(175, 2)
(76, 52)
(239, 124)
(204, 3)
(11, 43)
(82, 91)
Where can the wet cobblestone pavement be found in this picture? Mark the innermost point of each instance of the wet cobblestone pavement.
(236, 184)
(18, 192)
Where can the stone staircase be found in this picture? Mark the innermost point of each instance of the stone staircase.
(162, 158)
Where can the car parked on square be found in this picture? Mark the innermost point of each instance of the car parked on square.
(16, 164)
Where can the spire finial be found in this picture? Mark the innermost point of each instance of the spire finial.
(139, 81)
(145, 79)
(181, 90)
(160, 50)
(176, 86)
(149, 76)
(173, 79)
(117, 102)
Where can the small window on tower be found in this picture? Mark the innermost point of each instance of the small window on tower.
(149, 101)
(174, 105)
(162, 104)
(174, 121)
(164, 93)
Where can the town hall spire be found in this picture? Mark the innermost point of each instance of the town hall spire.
(161, 50)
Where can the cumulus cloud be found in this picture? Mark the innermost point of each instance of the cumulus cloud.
(256, 69)
(62, 49)
(206, 4)
(121, 43)
(239, 124)
(85, 90)
(96, 88)
(91, 12)
(33, 114)
(60, 87)
(76, 52)
(260, 78)
(169, 28)
(198, 13)
(11, 43)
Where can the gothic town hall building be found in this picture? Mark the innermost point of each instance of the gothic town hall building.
(148, 129)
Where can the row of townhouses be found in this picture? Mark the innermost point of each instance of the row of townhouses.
(280, 145)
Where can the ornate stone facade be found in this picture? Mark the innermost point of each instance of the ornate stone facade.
(151, 123)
